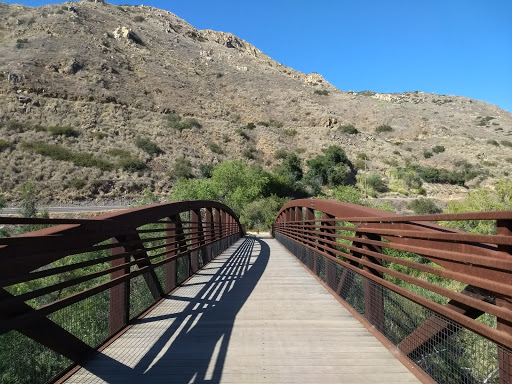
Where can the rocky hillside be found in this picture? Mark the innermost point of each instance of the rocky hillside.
(87, 89)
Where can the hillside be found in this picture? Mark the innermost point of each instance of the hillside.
(87, 88)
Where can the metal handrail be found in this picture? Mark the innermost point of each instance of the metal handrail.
(110, 261)
(374, 245)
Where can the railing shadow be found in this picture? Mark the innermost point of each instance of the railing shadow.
(194, 346)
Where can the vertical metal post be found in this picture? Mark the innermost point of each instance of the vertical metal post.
(194, 241)
(218, 223)
(171, 249)
(373, 299)
(310, 215)
(330, 273)
(209, 232)
(504, 228)
(120, 293)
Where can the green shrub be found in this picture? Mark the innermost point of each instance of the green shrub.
(242, 134)
(264, 123)
(226, 138)
(249, 153)
(290, 132)
(119, 152)
(362, 156)
(349, 129)
(397, 153)
(424, 206)
(20, 43)
(508, 159)
(383, 128)
(280, 153)
(506, 143)
(4, 144)
(427, 154)
(182, 169)
(250, 126)
(148, 146)
(76, 183)
(206, 170)
(65, 131)
(190, 123)
(57, 152)
(175, 121)
(275, 123)
(132, 165)
(375, 182)
(438, 149)
(493, 142)
(85, 159)
(322, 92)
(99, 135)
(215, 148)
(138, 19)
(365, 93)
(15, 125)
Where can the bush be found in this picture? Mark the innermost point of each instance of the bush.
(182, 169)
(349, 129)
(57, 152)
(132, 165)
(322, 92)
(250, 126)
(226, 138)
(427, 154)
(290, 132)
(99, 135)
(119, 152)
(424, 206)
(493, 142)
(76, 183)
(4, 144)
(280, 153)
(148, 146)
(365, 93)
(438, 149)
(264, 123)
(242, 134)
(190, 123)
(20, 43)
(174, 121)
(14, 125)
(249, 153)
(215, 148)
(138, 19)
(383, 128)
(375, 182)
(206, 170)
(65, 131)
(506, 143)
(333, 168)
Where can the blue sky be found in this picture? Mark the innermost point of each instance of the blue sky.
(457, 47)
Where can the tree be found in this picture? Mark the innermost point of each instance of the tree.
(28, 207)
(333, 168)
(424, 206)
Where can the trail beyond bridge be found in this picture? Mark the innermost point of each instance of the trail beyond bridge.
(177, 293)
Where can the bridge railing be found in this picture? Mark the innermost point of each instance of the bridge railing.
(442, 297)
(71, 286)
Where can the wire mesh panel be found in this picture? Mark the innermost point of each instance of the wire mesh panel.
(73, 284)
(25, 361)
(441, 296)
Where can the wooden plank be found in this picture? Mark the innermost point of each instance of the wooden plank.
(253, 315)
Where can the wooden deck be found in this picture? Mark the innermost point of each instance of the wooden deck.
(253, 315)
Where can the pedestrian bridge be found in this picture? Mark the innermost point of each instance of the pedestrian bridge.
(177, 293)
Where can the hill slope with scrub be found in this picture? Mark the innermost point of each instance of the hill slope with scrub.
(103, 101)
